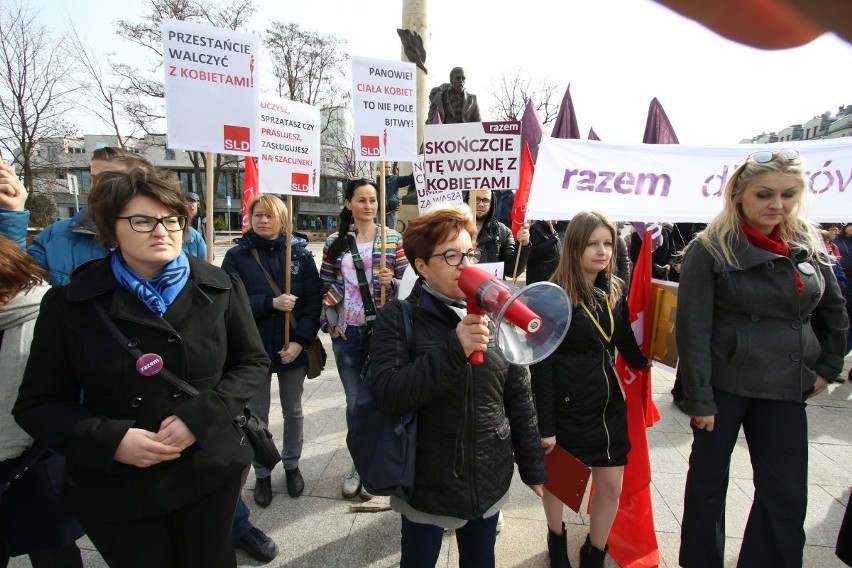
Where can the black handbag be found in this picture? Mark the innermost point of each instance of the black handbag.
(253, 428)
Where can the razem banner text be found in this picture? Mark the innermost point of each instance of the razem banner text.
(289, 147)
(470, 155)
(384, 109)
(673, 182)
(211, 88)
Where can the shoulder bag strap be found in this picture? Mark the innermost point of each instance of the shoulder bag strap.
(363, 284)
(275, 289)
(137, 353)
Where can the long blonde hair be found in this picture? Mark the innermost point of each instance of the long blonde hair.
(569, 272)
(723, 234)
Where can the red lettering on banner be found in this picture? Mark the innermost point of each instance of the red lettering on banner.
(237, 138)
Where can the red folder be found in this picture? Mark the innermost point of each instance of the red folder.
(567, 477)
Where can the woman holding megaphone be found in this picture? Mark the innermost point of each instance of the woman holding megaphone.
(471, 419)
(578, 395)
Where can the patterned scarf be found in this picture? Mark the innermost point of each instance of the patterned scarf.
(774, 244)
(158, 293)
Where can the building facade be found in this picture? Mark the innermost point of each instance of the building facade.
(821, 126)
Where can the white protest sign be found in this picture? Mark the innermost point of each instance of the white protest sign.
(289, 147)
(211, 88)
(472, 155)
(425, 201)
(495, 268)
(384, 108)
(673, 182)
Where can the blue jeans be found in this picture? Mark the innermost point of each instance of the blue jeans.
(242, 525)
(421, 544)
(390, 219)
(350, 354)
(291, 385)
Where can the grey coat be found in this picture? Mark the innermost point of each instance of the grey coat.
(747, 331)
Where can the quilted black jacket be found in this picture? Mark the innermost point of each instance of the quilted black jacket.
(470, 419)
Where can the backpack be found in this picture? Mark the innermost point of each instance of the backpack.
(383, 448)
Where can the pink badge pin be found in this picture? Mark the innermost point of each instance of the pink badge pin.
(149, 364)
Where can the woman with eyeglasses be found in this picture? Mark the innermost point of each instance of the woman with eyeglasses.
(760, 329)
(259, 259)
(578, 396)
(353, 280)
(152, 474)
(471, 419)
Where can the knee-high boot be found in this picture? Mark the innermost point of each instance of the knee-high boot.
(557, 548)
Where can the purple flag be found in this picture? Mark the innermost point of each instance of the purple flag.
(593, 135)
(658, 130)
(566, 121)
(531, 130)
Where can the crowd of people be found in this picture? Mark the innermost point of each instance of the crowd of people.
(153, 475)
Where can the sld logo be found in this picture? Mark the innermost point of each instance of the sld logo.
(299, 183)
(237, 138)
(370, 146)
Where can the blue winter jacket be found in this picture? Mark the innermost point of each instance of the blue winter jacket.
(68, 243)
(304, 283)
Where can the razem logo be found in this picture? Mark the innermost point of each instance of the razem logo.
(299, 183)
(237, 138)
(370, 146)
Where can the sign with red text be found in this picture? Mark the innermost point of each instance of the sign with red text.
(425, 200)
(673, 182)
(472, 155)
(211, 87)
(384, 108)
(289, 147)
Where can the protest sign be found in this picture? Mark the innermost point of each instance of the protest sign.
(672, 182)
(211, 88)
(426, 201)
(472, 155)
(289, 147)
(384, 108)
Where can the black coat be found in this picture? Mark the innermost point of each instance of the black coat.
(497, 244)
(577, 393)
(81, 391)
(470, 419)
(544, 252)
(304, 283)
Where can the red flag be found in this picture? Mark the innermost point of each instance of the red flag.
(519, 208)
(251, 187)
(632, 541)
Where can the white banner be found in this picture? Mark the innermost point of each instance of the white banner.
(211, 87)
(289, 147)
(472, 155)
(425, 201)
(672, 182)
(384, 108)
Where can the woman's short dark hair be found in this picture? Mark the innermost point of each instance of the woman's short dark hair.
(112, 191)
(18, 270)
(427, 231)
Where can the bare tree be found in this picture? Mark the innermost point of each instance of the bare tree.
(512, 92)
(36, 89)
(309, 67)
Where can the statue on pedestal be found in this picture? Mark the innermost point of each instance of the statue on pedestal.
(451, 102)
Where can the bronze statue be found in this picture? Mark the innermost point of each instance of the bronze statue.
(451, 102)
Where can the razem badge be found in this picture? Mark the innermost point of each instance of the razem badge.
(149, 364)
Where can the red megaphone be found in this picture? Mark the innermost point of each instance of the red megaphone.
(488, 294)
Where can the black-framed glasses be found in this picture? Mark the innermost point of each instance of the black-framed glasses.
(766, 156)
(454, 257)
(483, 200)
(146, 224)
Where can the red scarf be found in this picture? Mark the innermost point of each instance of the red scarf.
(774, 244)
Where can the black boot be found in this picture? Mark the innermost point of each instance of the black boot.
(591, 557)
(557, 548)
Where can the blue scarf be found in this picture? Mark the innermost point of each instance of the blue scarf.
(158, 293)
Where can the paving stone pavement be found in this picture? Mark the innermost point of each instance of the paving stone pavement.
(318, 529)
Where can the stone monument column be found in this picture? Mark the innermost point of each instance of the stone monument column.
(415, 18)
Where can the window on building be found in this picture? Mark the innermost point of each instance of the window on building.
(168, 154)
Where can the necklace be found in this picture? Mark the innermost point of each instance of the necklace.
(598, 325)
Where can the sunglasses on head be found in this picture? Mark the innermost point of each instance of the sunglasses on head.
(766, 156)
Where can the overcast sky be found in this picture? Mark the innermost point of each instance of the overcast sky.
(616, 54)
